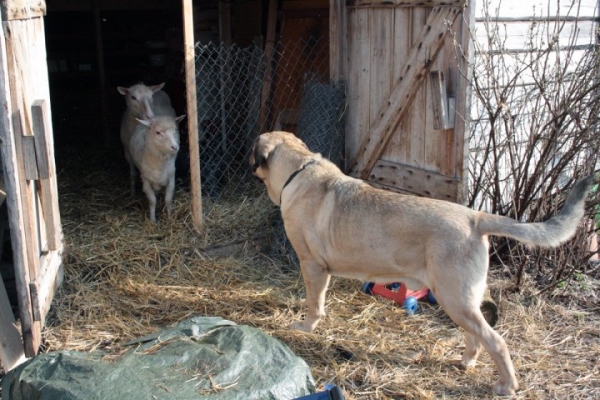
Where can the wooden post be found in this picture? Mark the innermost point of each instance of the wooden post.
(192, 113)
(268, 80)
(101, 73)
(225, 22)
(337, 40)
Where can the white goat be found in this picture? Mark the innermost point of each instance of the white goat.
(143, 102)
(153, 148)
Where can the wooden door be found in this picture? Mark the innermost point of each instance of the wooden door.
(29, 171)
(405, 64)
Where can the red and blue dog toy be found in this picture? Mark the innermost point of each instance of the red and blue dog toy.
(400, 294)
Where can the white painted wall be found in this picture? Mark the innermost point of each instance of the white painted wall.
(522, 27)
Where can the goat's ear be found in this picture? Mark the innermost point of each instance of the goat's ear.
(262, 151)
(156, 88)
(144, 121)
(122, 90)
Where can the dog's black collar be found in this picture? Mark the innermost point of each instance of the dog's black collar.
(293, 175)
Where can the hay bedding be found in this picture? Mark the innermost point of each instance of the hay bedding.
(126, 278)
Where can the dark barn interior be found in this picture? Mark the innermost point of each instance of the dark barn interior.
(93, 48)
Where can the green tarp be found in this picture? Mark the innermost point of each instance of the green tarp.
(200, 358)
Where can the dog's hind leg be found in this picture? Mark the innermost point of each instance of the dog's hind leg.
(472, 350)
(316, 280)
(465, 312)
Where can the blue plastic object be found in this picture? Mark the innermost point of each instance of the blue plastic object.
(331, 392)
(410, 305)
(366, 287)
(431, 298)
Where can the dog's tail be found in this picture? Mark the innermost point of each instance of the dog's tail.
(550, 233)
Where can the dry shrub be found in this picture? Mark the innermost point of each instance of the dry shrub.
(534, 133)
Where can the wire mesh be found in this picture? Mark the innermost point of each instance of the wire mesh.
(242, 92)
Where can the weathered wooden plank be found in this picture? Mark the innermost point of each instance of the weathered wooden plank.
(43, 288)
(12, 174)
(534, 8)
(39, 126)
(267, 87)
(517, 37)
(415, 72)
(416, 112)
(25, 67)
(403, 27)
(435, 140)
(48, 191)
(463, 104)
(358, 115)
(381, 47)
(406, 3)
(414, 180)
(453, 67)
(28, 154)
(11, 345)
(192, 113)
(22, 9)
(337, 44)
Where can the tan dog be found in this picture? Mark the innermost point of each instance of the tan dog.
(341, 226)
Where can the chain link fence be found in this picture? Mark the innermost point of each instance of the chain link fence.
(242, 92)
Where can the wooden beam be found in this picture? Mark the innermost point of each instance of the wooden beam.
(225, 22)
(43, 288)
(192, 113)
(407, 3)
(39, 126)
(104, 112)
(42, 130)
(405, 178)
(415, 72)
(22, 9)
(337, 40)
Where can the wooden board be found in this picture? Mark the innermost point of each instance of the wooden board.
(22, 9)
(11, 346)
(48, 190)
(414, 180)
(406, 3)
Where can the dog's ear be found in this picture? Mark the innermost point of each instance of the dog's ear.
(262, 150)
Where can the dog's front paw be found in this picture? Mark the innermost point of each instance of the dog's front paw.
(300, 326)
(506, 389)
